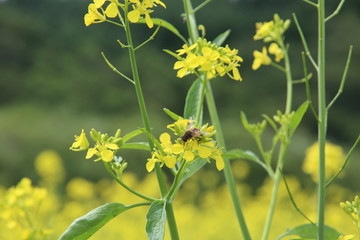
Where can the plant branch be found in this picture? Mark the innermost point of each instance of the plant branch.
(203, 4)
(306, 48)
(345, 162)
(118, 180)
(293, 201)
(149, 39)
(115, 70)
(342, 79)
(336, 12)
(311, 3)
(307, 87)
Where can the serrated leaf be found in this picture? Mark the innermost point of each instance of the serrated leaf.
(84, 227)
(309, 231)
(193, 100)
(136, 145)
(219, 40)
(171, 114)
(296, 119)
(167, 25)
(155, 220)
(192, 168)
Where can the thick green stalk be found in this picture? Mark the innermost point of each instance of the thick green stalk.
(145, 118)
(229, 177)
(322, 124)
(191, 21)
(194, 35)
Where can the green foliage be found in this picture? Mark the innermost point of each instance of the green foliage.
(85, 226)
(309, 232)
(155, 220)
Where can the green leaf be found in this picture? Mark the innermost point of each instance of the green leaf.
(155, 220)
(130, 135)
(219, 40)
(192, 168)
(309, 231)
(193, 100)
(238, 153)
(136, 145)
(296, 119)
(85, 226)
(167, 25)
(171, 114)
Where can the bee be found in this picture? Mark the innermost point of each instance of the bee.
(191, 133)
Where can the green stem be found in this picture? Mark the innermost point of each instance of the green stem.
(289, 84)
(194, 35)
(322, 124)
(191, 21)
(227, 169)
(146, 122)
(199, 110)
(283, 146)
(118, 180)
(275, 191)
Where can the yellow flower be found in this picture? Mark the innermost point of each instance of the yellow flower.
(263, 30)
(143, 8)
(275, 50)
(104, 151)
(334, 158)
(346, 237)
(195, 147)
(187, 65)
(48, 165)
(95, 16)
(81, 143)
(272, 30)
(260, 58)
(206, 57)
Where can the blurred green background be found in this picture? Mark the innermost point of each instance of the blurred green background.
(54, 82)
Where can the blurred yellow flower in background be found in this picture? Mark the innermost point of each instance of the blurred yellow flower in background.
(334, 157)
(49, 167)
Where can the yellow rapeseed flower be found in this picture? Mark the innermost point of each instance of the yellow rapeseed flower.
(334, 158)
(208, 58)
(346, 237)
(187, 148)
(96, 14)
(272, 30)
(49, 166)
(275, 50)
(260, 58)
(81, 143)
(143, 9)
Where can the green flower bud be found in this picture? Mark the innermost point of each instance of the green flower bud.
(95, 135)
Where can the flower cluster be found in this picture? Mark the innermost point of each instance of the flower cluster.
(19, 210)
(105, 146)
(142, 9)
(97, 14)
(192, 143)
(353, 209)
(334, 156)
(270, 32)
(206, 57)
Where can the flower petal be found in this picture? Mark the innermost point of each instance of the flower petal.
(134, 16)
